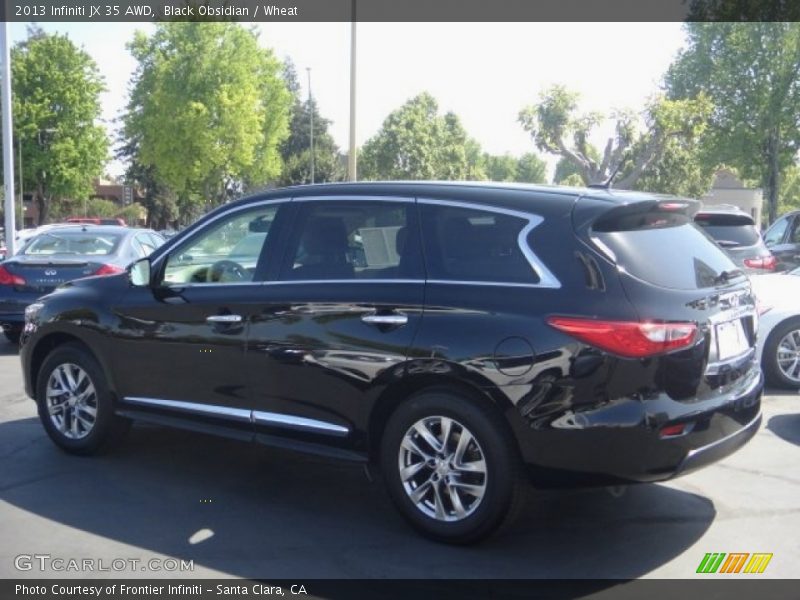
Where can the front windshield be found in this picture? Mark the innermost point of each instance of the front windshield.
(72, 242)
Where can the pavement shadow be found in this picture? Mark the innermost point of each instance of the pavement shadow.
(786, 427)
(275, 514)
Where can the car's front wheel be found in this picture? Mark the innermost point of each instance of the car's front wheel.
(781, 356)
(74, 401)
(451, 467)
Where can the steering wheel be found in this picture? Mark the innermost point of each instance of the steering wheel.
(226, 270)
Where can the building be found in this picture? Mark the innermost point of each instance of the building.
(104, 189)
(729, 189)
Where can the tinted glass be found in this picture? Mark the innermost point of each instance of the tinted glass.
(227, 251)
(463, 244)
(728, 234)
(73, 242)
(354, 240)
(775, 233)
(641, 245)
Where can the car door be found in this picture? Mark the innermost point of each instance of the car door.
(182, 340)
(338, 318)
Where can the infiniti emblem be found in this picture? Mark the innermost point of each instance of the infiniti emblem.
(50, 272)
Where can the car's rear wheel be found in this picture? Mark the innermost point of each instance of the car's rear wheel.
(12, 335)
(75, 403)
(781, 357)
(451, 467)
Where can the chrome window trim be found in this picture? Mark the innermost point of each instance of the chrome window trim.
(355, 198)
(299, 423)
(243, 415)
(546, 277)
(341, 281)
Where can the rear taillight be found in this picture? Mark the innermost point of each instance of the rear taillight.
(7, 278)
(109, 270)
(630, 339)
(764, 262)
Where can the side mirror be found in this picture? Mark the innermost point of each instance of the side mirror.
(139, 273)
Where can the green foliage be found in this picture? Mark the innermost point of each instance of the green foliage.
(556, 126)
(416, 142)
(295, 150)
(56, 104)
(208, 110)
(528, 168)
(790, 190)
(751, 71)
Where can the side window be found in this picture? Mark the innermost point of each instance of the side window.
(775, 233)
(464, 244)
(795, 236)
(354, 240)
(226, 251)
(144, 244)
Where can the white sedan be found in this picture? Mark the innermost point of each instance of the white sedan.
(778, 347)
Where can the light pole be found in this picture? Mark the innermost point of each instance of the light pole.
(8, 141)
(311, 122)
(351, 154)
(21, 202)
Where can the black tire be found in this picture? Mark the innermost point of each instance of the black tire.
(769, 358)
(12, 335)
(106, 427)
(504, 484)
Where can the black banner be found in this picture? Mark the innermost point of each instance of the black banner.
(405, 589)
(400, 10)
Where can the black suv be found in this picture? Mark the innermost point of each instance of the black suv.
(465, 338)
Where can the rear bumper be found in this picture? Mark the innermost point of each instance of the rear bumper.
(710, 453)
(624, 441)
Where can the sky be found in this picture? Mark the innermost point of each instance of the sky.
(484, 72)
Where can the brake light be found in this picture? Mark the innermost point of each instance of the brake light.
(7, 278)
(109, 270)
(765, 262)
(631, 339)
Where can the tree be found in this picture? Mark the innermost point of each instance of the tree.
(531, 169)
(56, 105)
(751, 71)
(208, 109)
(295, 149)
(416, 142)
(556, 127)
(528, 168)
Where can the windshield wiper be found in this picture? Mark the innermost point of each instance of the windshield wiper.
(726, 276)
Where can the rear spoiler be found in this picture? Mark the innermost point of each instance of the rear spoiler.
(601, 215)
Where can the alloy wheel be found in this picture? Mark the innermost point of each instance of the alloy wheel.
(788, 355)
(442, 468)
(71, 401)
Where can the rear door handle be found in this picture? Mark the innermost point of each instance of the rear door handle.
(395, 319)
(224, 319)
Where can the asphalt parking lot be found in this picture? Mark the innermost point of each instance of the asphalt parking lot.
(237, 510)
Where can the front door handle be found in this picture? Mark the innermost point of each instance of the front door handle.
(224, 319)
(395, 319)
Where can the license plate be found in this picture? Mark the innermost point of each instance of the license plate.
(731, 340)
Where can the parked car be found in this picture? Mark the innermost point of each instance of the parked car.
(736, 232)
(62, 254)
(463, 338)
(98, 221)
(779, 327)
(783, 240)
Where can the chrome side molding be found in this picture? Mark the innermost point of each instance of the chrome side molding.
(243, 415)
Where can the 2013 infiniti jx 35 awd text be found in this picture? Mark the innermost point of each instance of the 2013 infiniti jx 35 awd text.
(466, 339)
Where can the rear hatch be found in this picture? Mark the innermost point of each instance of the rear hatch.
(738, 236)
(43, 275)
(673, 273)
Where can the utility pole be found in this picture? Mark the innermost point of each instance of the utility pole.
(21, 195)
(311, 121)
(8, 142)
(351, 153)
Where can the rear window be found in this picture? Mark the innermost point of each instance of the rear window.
(729, 230)
(81, 243)
(667, 250)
